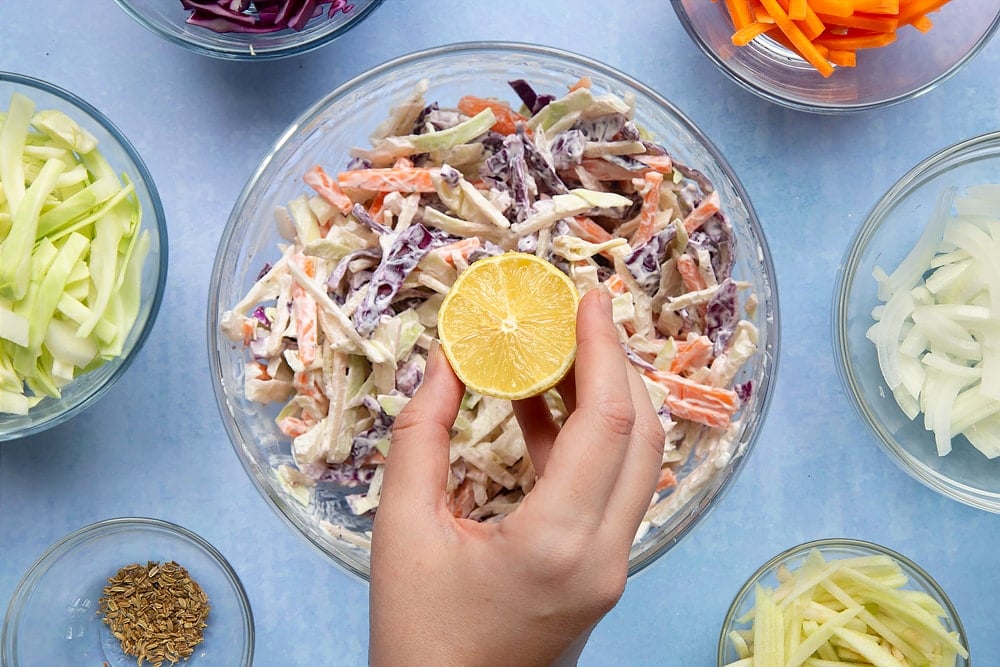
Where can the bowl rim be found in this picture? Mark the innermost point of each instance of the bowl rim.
(819, 107)
(247, 51)
(769, 346)
(109, 526)
(926, 169)
(162, 259)
(932, 586)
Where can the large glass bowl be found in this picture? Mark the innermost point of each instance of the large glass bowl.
(116, 148)
(54, 615)
(343, 119)
(832, 549)
(168, 19)
(912, 65)
(886, 236)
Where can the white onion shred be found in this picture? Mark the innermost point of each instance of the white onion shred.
(937, 334)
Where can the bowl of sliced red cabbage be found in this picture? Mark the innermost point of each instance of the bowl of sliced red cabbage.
(249, 29)
(917, 321)
(342, 245)
(83, 255)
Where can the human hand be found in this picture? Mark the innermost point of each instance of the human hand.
(528, 589)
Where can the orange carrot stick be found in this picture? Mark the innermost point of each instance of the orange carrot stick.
(582, 82)
(697, 402)
(701, 214)
(327, 188)
(739, 13)
(749, 32)
(667, 479)
(802, 43)
(661, 163)
(688, 269)
(506, 118)
(463, 248)
(652, 180)
(856, 41)
(691, 355)
(406, 179)
(872, 22)
(833, 7)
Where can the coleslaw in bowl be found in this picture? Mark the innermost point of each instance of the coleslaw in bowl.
(343, 243)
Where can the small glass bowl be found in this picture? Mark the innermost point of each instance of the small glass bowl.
(832, 549)
(912, 65)
(343, 120)
(119, 152)
(168, 19)
(887, 235)
(54, 616)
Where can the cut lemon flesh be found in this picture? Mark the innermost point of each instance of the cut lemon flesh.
(508, 325)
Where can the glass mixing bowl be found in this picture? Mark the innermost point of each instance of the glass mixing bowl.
(54, 615)
(912, 65)
(343, 119)
(889, 232)
(87, 388)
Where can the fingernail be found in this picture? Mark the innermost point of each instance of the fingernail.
(604, 300)
(434, 358)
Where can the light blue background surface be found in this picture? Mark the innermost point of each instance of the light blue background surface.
(155, 445)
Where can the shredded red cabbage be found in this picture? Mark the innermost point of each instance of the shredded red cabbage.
(260, 16)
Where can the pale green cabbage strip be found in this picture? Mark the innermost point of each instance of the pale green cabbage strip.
(71, 255)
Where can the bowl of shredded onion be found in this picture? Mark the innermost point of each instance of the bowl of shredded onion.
(249, 30)
(917, 321)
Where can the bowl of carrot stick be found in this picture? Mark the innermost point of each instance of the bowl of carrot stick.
(838, 56)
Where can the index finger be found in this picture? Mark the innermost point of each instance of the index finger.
(586, 458)
(416, 471)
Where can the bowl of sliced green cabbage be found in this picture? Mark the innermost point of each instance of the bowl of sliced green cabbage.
(83, 254)
(917, 321)
(339, 252)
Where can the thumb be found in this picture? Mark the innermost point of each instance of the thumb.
(418, 461)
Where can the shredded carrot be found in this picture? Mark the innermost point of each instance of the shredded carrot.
(305, 314)
(877, 6)
(462, 248)
(667, 479)
(688, 268)
(506, 118)
(697, 402)
(747, 33)
(691, 355)
(582, 82)
(327, 188)
(703, 212)
(378, 203)
(842, 58)
(828, 33)
(739, 10)
(652, 180)
(247, 330)
(405, 179)
(922, 23)
(802, 43)
(833, 7)
(856, 42)
(615, 284)
(915, 9)
(871, 22)
(661, 163)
